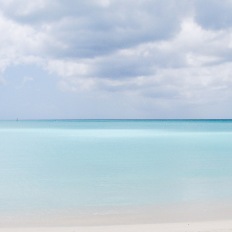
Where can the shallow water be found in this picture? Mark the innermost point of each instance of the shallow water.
(77, 165)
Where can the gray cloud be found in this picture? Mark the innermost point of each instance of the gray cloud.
(121, 26)
(135, 62)
(93, 28)
(172, 51)
(214, 14)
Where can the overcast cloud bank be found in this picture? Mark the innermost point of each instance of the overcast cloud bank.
(163, 58)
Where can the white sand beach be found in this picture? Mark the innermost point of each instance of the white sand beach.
(208, 226)
(191, 218)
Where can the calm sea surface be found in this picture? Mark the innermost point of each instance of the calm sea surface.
(91, 164)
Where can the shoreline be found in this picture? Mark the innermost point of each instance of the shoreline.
(159, 215)
(206, 226)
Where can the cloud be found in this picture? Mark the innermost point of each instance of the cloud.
(161, 67)
(27, 11)
(172, 52)
(19, 43)
(214, 14)
(93, 34)
(93, 28)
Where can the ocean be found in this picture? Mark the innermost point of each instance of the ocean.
(103, 166)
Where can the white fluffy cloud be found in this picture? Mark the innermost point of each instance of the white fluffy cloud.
(20, 43)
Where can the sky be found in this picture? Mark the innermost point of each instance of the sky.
(154, 59)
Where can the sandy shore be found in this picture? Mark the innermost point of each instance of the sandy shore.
(209, 226)
(185, 218)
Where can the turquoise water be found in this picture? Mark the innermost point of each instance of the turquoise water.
(57, 165)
